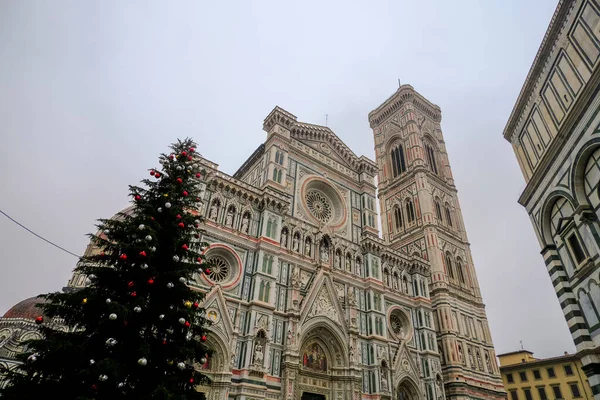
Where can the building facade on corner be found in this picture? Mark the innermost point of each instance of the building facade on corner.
(309, 302)
(529, 378)
(553, 129)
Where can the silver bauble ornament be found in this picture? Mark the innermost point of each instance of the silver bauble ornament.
(112, 316)
(176, 258)
(32, 358)
(148, 238)
(92, 361)
(137, 309)
(108, 301)
(170, 285)
(138, 240)
(144, 266)
(142, 227)
(92, 276)
(120, 385)
(142, 362)
(179, 168)
(102, 378)
(161, 316)
(194, 165)
(182, 279)
(182, 321)
(168, 205)
(202, 361)
(159, 209)
(106, 231)
(111, 342)
(197, 221)
(153, 249)
(180, 365)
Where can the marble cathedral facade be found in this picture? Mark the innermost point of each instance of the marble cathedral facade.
(309, 300)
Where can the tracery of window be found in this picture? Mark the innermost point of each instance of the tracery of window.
(219, 270)
(592, 178)
(430, 154)
(410, 211)
(438, 211)
(562, 209)
(398, 161)
(459, 269)
(449, 266)
(319, 205)
(398, 218)
(448, 216)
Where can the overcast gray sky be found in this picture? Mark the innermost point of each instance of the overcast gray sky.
(91, 93)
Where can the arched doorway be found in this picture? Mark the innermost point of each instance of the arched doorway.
(323, 360)
(407, 391)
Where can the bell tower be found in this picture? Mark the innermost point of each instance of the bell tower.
(421, 215)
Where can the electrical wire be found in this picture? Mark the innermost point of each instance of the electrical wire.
(35, 234)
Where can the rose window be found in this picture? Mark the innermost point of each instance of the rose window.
(219, 269)
(396, 324)
(319, 205)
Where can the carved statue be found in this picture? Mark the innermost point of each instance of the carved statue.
(283, 239)
(324, 253)
(245, 223)
(351, 298)
(440, 392)
(229, 218)
(258, 354)
(348, 264)
(380, 352)
(351, 352)
(488, 363)
(213, 211)
(338, 261)
(290, 338)
(295, 281)
(404, 286)
(296, 244)
(384, 383)
(479, 362)
(307, 249)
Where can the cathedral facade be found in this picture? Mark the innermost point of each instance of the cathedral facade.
(309, 299)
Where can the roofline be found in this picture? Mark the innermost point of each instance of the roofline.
(514, 352)
(538, 64)
(551, 360)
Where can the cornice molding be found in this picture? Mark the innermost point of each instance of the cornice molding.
(404, 94)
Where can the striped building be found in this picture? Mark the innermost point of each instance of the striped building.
(553, 129)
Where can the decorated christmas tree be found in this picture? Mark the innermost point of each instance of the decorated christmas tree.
(136, 330)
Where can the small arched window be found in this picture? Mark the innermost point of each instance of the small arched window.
(398, 161)
(460, 271)
(386, 275)
(410, 211)
(279, 157)
(449, 267)
(398, 218)
(448, 215)
(438, 211)
(430, 154)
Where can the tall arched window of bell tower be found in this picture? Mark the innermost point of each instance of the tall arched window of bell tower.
(430, 155)
(398, 219)
(398, 160)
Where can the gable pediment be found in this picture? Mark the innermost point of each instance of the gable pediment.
(216, 310)
(322, 301)
(323, 140)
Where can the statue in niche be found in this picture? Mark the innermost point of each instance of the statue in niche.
(307, 248)
(488, 363)
(290, 338)
(348, 264)
(324, 253)
(296, 244)
(351, 298)
(258, 354)
(384, 382)
(245, 223)
(295, 281)
(284, 239)
(479, 362)
(351, 353)
(229, 218)
(213, 211)
(338, 261)
(405, 286)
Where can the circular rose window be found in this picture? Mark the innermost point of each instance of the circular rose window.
(399, 324)
(219, 269)
(322, 202)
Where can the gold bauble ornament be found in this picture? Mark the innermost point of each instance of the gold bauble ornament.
(188, 304)
(84, 301)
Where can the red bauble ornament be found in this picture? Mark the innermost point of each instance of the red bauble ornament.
(138, 197)
(157, 175)
(187, 324)
(133, 294)
(151, 218)
(123, 256)
(185, 193)
(181, 225)
(197, 175)
(164, 342)
(185, 247)
(39, 320)
(183, 153)
(179, 180)
(178, 216)
(172, 156)
(190, 158)
(203, 338)
(191, 380)
(207, 271)
(196, 305)
(150, 281)
(199, 259)
(94, 387)
(152, 172)
(102, 254)
(131, 284)
(192, 149)
(143, 253)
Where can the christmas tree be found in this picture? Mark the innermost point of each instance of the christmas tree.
(136, 330)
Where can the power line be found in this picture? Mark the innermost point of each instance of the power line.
(35, 234)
